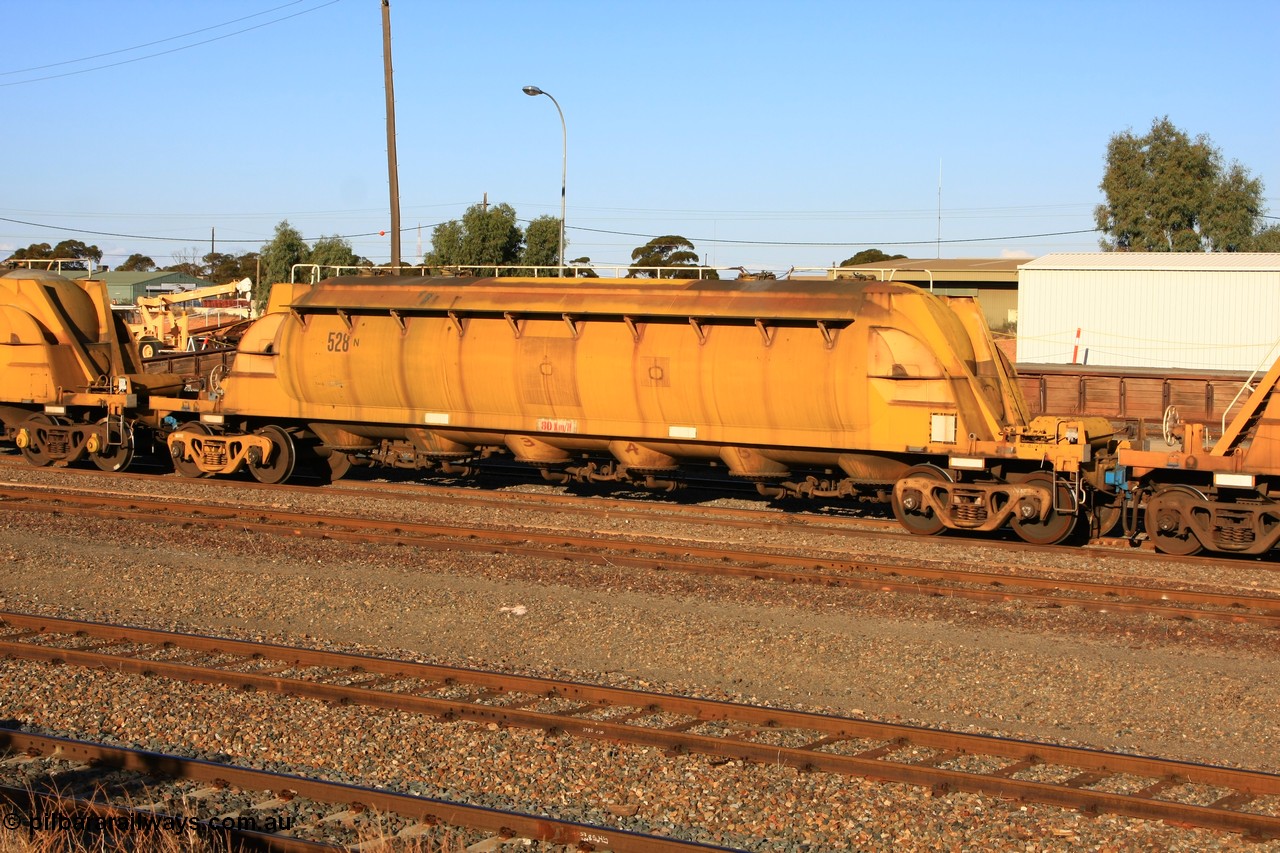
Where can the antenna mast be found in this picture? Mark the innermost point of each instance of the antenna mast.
(939, 250)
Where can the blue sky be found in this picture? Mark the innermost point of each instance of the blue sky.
(770, 134)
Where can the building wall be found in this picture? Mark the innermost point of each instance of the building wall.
(999, 305)
(125, 288)
(1213, 319)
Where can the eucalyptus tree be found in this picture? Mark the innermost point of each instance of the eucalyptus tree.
(1167, 192)
(487, 235)
(542, 243)
(279, 255)
(658, 257)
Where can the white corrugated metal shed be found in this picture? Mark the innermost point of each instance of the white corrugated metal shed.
(1217, 311)
(1158, 261)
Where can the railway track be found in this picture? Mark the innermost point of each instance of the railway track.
(1221, 798)
(841, 519)
(936, 579)
(651, 506)
(86, 779)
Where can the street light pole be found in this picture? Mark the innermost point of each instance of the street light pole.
(534, 91)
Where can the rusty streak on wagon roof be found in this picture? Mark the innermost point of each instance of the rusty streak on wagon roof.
(770, 299)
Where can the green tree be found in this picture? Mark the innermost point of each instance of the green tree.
(1166, 192)
(34, 252)
(869, 256)
(446, 245)
(487, 235)
(222, 268)
(1266, 240)
(578, 268)
(279, 255)
(137, 263)
(187, 262)
(74, 250)
(78, 249)
(335, 252)
(248, 265)
(542, 243)
(669, 251)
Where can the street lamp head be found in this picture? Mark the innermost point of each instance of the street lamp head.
(532, 91)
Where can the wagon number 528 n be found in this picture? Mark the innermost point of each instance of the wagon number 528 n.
(339, 341)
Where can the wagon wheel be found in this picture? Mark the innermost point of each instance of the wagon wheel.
(118, 452)
(283, 457)
(1057, 525)
(916, 518)
(36, 450)
(186, 467)
(1166, 520)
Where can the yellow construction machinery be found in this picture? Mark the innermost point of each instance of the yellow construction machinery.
(170, 320)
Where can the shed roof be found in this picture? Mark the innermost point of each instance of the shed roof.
(941, 270)
(134, 277)
(1158, 261)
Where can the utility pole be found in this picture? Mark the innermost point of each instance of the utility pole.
(392, 169)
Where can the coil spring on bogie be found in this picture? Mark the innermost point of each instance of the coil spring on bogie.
(214, 455)
(972, 513)
(1234, 535)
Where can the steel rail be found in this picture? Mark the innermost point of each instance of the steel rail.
(751, 519)
(649, 510)
(423, 809)
(987, 586)
(817, 731)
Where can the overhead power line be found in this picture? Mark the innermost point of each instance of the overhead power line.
(147, 44)
(699, 240)
(178, 239)
(161, 41)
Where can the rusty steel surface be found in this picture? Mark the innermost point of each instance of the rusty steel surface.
(729, 729)
(1100, 596)
(423, 809)
(1128, 393)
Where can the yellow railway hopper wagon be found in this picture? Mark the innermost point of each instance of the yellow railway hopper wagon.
(71, 382)
(823, 388)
